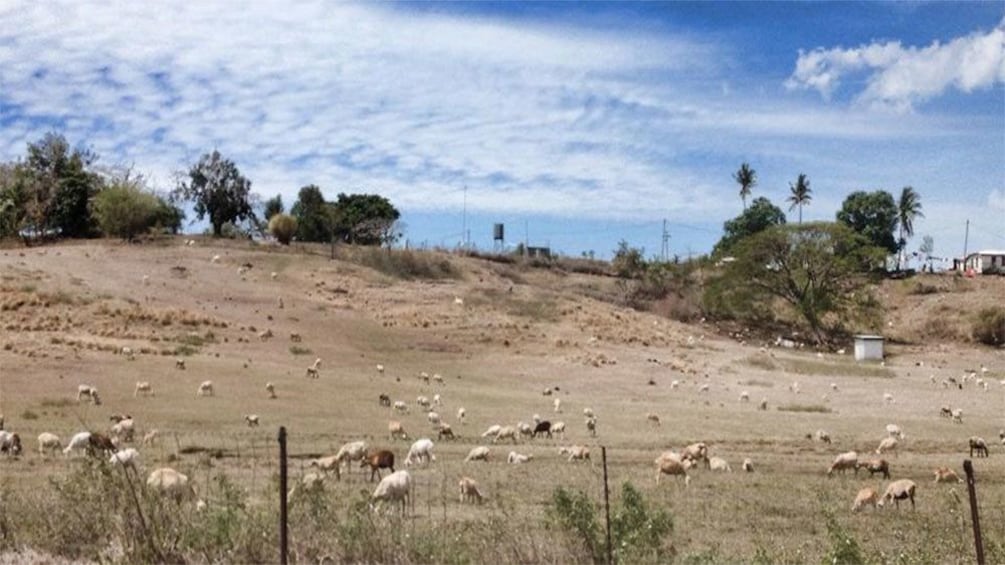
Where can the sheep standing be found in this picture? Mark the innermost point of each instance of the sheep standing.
(591, 426)
(271, 389)
(893, 430)
(79, 442)
(396, 487)
(957, 415)
(673, 467)
(557, 404)
(461, 413)
(10, 443)
(251, 420)
(126, 457)
(168, 482)
(719, 464)
(124, 430)
(899, 490)
(979, 445)
(329, 464)
(420, 452)
(351, 451)
(888, 444)
(469, 490)
(48, 443)
(400, 406)
(179, 364)
(876, 466)
(444, 431)
(866, 496)
(313, 369)
(88, 392)
(142, 387)
(847, 460)
(748, 465)
(558, 428)
(823, 436)
(205, 389)
(575, 452)
(480, 453)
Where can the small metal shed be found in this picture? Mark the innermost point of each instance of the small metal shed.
(868, 348)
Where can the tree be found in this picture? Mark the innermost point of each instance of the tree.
(628, 261)
(218, 190)
(746, 177)
(926, 250)
(169, 217)
(366, 219)
(125, 210)
(908, 208)
(817, 269)
(761, 215)
(58, 187)
(873, 215)
(312, 214)
(12, 199)
(800, 194)
(283, 227)
(273, 206)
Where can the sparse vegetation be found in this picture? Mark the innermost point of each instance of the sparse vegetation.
(405, 264)
(298, 350)
(989, 326)
(818, 408)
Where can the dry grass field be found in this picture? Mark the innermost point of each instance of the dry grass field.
(498, 334)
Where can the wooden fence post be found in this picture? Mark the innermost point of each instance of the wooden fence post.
(283, 540)
(968, 468)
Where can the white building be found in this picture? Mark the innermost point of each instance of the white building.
(987, 261)
(868, 348)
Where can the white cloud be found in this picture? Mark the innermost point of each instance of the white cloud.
(900, 76)
(996, 200)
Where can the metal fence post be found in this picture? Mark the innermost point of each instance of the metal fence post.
(968, 468)
(607, 507)
(283, 540)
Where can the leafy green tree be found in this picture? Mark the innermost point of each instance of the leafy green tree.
(908, 209)
(746, 177)
(817, 269)
(169, 217)
(365, 219)
(872, 214)
(12, 199)
(273, 206)
(283, 227)
(761, 215)
(312, 214)
(125, 210)
(58, 187)
(218, 190)
(800, 194)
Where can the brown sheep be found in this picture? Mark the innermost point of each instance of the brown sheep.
(469, 490)
(876, 466)
(979, 445)
(868, 495)
(946, 475)
(382, 459)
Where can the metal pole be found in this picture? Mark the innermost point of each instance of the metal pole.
(283, 539)
(968, 468)
(607, 508)
(966, 240)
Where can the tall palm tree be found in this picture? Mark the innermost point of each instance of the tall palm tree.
(801, 194)
(908, 208)
(746, 178)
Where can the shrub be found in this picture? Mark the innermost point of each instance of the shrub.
(989, 327)
(123, 210)
(297, 350)
(283, 227)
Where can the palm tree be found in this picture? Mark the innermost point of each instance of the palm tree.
(746, 178)
(908, 208)
(801, 194)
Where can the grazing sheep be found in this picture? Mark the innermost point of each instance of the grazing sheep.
(823, 436)
(100, 443)
(719, 464)
(876, 466)
(150, 437)
(834, 387)
(1, 421)
(946, 475)
(79, 442)
(673, 467)
(518, 458)
(546, 392)
(423, 402)
(396, 487)
(395, 429)
(179, 364)
(575, 452)
(142, 387)
(271, 389)
(433, 418)
(847, 460)
(382, 459)
(384, 400)
(899, 490)
(251, 420)
(748, 465)
(556, 404)
(588, 412)
(329, 464)
(979, 445)
(558, 428)
(461, 413)
(274, 275)
(505, 432)
(893, 430)
(542, 427)
(674, 384)
(168, 482)
(436, 400)
(653, 419)
(444, 431)
(48, 443)
(866, 496)
(438, 378)
(744, 396)
(591, 426)
(313, 369)
(351, 451)
(763, 405)
(119, 417)
(124, 430)
(469, 490)
(888, 444)
(703, 388)
(88, 392)
(400, 406)
(310, 483)
(492, 431)
(696, 453)
(524, 429)
(420, 452)
(887, 398)
(126, 457)
(380, 369)
(10, 443)
(215, 259)
(957, 415)
(295, 337)
(480, 453)
(205, 389)
(1001, 433)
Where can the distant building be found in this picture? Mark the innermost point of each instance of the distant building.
(989, 261)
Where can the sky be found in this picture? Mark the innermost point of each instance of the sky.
(576, 125)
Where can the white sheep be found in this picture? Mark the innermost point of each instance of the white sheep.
(168, 482)
(179, 364)
(524, 429)
(957, 415)
(719, 464)
(423, 402)
(273, 275)
(380, 369)
(674, 384)
(124, 430)
(271, 389)
(215, 259)
(126, 457)
(847, 460)
(703, 388)
(748, 465)
(395, 429)
(866, 496)
(834, 387)
(591, 426)
(351, 451)
(434, 418)
(888, 444)
(492, 431)
(518, 458)
(558, 428)
(505, 432)
(142, 387)
(420, 452)
(575, 452)
(893, 430)
(129, 354)
(887, 398)
(469, 490)
(557, 404)
(744, 396)
(480, 453)
(328, 464)
(150, 437)
(48, 443)
(79, 442)
(588, 413)
(251, 420)
(671, 466)
(400, 406)
(436, 400)
(899, 490)
(205, 389)
(396, 487)
(438, 378)
(88, 392)
(461, 413)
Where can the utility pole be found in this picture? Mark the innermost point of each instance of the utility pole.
(665, 249)
(966, 240)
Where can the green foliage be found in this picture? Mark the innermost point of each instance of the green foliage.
(746, 177)
(313, 215)
(576, 515)
(801, 194)
(283, 227)
(989, 326)
(873, 215)
(908, 209)
(628, 262)
(844, 550)
(816, 269)
(168, 216)
(406, 264)
(124, 210)
(218, 190)
(298, 350)
(273, 206)
(365, 219)
(761, 215)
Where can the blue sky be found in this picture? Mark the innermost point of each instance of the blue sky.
(575, 124)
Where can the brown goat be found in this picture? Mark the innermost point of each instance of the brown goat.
(382, 459)
(876, 466)
(100, 443)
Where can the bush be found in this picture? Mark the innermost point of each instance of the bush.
(123, 210)
(989, 328)
(283, 227)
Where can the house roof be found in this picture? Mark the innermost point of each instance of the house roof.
(987, 252)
